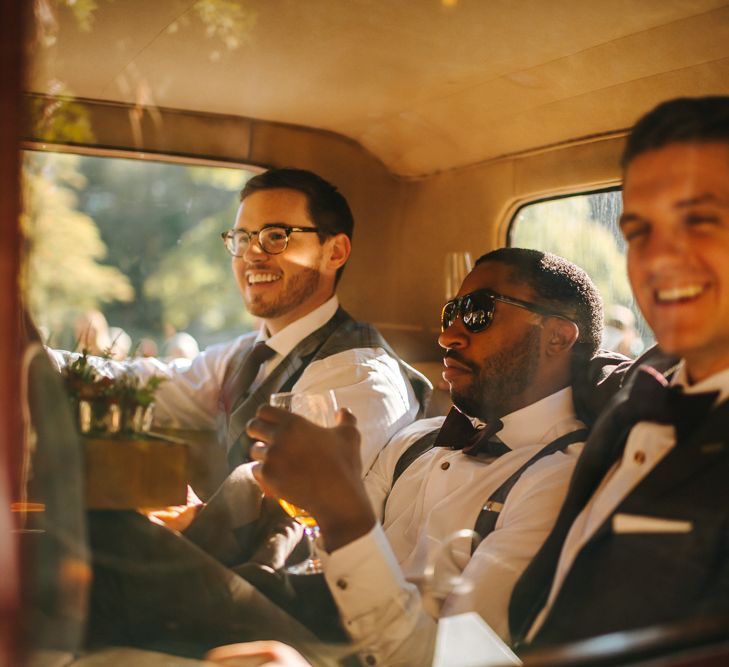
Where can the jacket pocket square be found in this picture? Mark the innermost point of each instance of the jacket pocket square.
(634, 523)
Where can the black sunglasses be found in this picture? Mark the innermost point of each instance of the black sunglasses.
(477, 309)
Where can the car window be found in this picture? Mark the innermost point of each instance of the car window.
(584, 229)
(132, 243)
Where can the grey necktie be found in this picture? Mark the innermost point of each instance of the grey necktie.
(249, 369)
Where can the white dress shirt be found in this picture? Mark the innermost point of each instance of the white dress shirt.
(368, 381)
(647, 445)
(441, 492)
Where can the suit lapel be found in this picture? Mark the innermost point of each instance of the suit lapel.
(281, 378)
(246, 409)
(687, 459)
(683, 463)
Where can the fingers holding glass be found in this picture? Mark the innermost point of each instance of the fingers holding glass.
(321, 409)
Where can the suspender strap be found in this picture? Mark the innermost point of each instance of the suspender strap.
(486, 520)
(418, 448)
(488, 516)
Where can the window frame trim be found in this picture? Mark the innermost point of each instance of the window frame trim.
(580, 193)
(144, 156)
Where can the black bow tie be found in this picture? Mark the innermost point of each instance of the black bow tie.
(458, 432)
(652, 399)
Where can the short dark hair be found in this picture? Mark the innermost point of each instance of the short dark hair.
(564, 288)
(328, 209)
(682, 120)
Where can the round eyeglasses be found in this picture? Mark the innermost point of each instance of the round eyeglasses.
(273, 239)
(476, 309)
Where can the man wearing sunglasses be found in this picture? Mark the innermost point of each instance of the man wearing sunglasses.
(519, 334)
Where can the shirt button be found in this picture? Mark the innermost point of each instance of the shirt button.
(639, 457)
(370, 660)
(445, 465)
(342, 584)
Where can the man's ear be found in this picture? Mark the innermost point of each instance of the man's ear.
(339, 249)
(561, 335)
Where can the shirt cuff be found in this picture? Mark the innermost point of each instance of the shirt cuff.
(364, 574)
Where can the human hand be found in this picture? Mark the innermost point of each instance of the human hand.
(174, 517)
(257, 654)
(314, 467)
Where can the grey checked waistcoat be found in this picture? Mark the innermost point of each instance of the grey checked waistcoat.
(340, 333)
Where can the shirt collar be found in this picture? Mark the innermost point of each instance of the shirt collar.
(289, 337)
(717, 382)
(540, 422)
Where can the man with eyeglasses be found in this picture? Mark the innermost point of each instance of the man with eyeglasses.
(289, 246)
(517, 337)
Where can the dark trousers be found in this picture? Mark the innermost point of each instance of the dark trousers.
(220, 583)
(152, 588)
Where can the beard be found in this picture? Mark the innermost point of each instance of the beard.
(500, 379)
(300, 288)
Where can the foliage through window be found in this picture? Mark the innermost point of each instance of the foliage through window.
(137, 240)
(584, 229)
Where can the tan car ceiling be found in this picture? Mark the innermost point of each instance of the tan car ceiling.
(424, 85)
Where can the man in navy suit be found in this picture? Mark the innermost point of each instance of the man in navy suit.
(643, 536)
